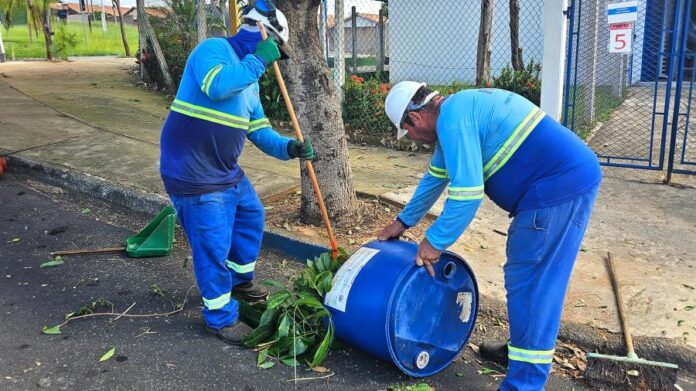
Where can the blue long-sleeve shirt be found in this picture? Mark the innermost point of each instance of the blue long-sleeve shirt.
(217, 107)
(498, 143)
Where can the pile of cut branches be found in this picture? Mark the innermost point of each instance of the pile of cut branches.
(294, 324)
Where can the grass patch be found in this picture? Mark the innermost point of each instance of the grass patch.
(99, 43)
(578, 117)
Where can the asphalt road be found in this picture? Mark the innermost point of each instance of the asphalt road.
(151, 353)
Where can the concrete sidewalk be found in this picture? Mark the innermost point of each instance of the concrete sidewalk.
(88, 116)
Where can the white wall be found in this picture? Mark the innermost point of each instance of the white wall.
(436, 41)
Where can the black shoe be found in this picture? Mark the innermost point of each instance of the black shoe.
(233, 333)
(249, 292)
(495, 351)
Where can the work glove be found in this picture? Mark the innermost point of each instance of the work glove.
(303, 150)
(267, 51)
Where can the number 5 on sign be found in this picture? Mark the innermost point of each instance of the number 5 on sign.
(620, 37)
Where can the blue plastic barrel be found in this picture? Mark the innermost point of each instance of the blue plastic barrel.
(382, 303)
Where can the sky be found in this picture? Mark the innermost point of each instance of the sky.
(367, 6)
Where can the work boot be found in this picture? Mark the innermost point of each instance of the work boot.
(233, 333)
(249, 292)
(495, 351)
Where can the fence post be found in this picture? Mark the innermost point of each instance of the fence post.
(339, 47)
(354, 37)
(380, 43)
(553, 57)
(590, 48)
(322, 30)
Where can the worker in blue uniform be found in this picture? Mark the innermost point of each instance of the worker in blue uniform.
(497, 143)
(216, 109)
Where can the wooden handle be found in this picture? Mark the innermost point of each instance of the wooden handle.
(620, 305)
(298, 133)
(90, 251)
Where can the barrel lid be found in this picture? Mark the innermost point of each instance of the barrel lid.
(433, 317)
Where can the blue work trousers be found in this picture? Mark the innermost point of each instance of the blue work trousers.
(541, 250)
(224, 230)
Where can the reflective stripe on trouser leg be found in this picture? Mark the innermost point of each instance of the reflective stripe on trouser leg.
(208, 220)
(246, 234)
(541, 251)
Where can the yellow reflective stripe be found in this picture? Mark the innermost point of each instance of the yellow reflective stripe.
(530, 356)
(218, 302)
(259, 124)
(209, 115)
(209, 78)
(437, 172)
(241, 269)
(465, 193)
(513, 143)
(532, 352)
(530, 360)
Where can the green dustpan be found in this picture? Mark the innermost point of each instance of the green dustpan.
(156, 239)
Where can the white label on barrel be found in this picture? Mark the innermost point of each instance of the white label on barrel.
(464, 299)
(344, 278)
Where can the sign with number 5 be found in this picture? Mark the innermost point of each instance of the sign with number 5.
(620, 37)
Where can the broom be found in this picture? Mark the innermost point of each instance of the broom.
(629, 372)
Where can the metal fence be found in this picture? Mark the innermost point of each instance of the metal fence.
(623, 91)
(431, 41)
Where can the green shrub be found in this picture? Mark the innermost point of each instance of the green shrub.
(271, 97)
(363, 105)
(64, 41)
(525, 82)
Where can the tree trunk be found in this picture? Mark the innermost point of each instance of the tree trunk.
(317, 104)
(29, 22)
(483, 52)
(46, 25)
(164, 68)
(142, 46)
(515, 50)
(117, 4)
(202, 23)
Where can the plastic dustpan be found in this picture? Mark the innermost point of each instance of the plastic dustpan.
(156, 239)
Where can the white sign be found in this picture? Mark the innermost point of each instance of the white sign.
(620, 37)
(344, 278)
(626, 11)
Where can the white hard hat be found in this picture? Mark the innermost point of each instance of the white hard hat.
(398, 100)
(271, 17)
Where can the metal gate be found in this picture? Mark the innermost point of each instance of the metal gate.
(633, 108)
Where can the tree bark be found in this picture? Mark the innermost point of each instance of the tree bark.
(117, 4)
(29, 22)
(202, 23)
(483, 52)
(317, 104)
(515, 49)
(142, 46)
(46, 24)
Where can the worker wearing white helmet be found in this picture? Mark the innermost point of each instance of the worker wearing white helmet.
(216, 109)
(497, 143)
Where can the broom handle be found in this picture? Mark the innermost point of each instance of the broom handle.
(90, 251)
(620, 305)
(308, 163)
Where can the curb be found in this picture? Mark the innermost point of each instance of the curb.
(588, 338)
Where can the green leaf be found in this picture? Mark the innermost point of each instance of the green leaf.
(107, 355)
(290, 361)
(277, 299)
(284, 328)
(323, 350)
(263, 354)
(53, 263)
(268, 317)
(689, 307)
(488, 371)
(273, 283)
(51, 330)
(679, 323)
(310, 302)
(257, 336)
(85, 211)
(299, 347)
(266, 365)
